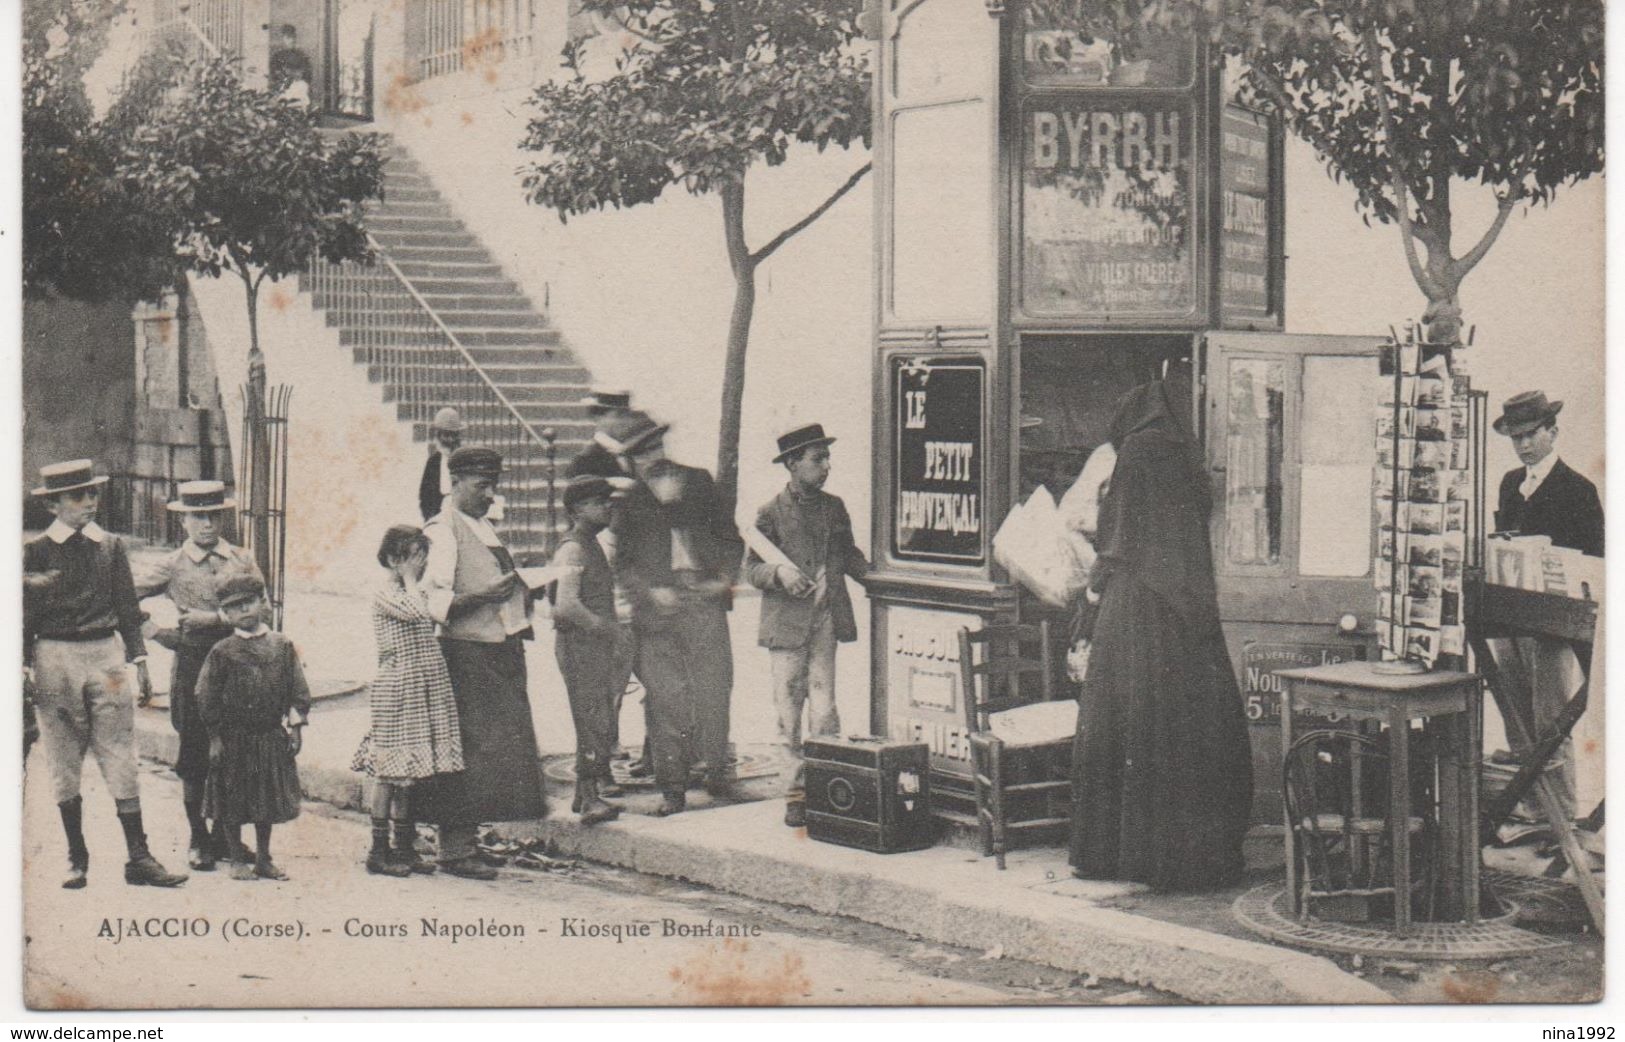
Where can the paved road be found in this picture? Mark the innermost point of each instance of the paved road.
(442, 941)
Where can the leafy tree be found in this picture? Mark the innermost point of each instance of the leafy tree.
(1406, 99)
(253, 189)
(86, 234)
(708, 89)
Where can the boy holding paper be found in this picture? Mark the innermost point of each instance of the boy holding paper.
(801, 552)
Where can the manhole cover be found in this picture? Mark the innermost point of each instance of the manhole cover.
(749, 764)
(1265, 910)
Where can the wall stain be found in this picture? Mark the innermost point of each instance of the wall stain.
(1475, 986)
(280, 298)
(728, 975)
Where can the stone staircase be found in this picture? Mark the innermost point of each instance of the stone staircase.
(507, 336)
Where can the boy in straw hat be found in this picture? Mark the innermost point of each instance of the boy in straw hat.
(81, 629)
(190, 576)
(801, 570)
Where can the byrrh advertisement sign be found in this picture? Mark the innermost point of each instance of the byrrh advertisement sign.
(1107, 221)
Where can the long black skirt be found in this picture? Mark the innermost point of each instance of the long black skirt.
(502, 771)
(1162, 767)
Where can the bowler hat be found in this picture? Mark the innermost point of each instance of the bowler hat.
(201, 497)
(473, 459)
(447, 419)
(801, 438)
(600, 399)
(236, 586)
(1524, 412)
(65, 477)
(633, 430)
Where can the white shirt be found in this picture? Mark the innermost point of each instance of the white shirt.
(440, 572)
(60, 533)
(1533, 476)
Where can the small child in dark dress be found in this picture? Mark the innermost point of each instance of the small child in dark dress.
(254, 701)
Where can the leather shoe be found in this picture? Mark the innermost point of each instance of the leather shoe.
(384, 865)
(671, 803)
(200, 858)
(470, 868)
(146, 871)
(640, 768)
(267, 869)
(795, 815)
(76, 877)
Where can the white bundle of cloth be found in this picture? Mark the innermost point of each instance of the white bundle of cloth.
(1049, 547)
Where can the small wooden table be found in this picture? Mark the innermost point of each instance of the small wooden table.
(1357, 691)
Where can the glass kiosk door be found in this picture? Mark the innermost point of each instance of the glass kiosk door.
(1290, 451)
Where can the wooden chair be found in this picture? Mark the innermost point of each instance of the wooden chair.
(1335, 786)
(1017, 733)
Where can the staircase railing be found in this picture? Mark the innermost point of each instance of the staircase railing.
(423, 366)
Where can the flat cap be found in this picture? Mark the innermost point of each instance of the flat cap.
(237, 585)
(474, 459)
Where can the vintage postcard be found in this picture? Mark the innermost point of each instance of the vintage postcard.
(810, 502)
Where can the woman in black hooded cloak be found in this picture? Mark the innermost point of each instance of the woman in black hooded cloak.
(1162, 767)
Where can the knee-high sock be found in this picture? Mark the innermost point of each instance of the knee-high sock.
(73, 825)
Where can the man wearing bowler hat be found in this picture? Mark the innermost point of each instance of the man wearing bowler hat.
(189, 576)
(805, 606)
(81, 632)
(604, 407)
(445, 435)
(1546, 497)
(677, 555)
(484, 613)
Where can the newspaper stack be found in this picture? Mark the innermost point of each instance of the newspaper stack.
(1042, 552)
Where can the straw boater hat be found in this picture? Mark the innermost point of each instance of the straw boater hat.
(476, 460)
(202, 497)
(801, 438)
(601, 400)
(447, 419)
(632, 431)
(1524, 412)
(65, 477)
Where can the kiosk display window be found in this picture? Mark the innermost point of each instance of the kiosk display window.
(1061, 46)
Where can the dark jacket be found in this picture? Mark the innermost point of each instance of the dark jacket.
(643, 541)
(92, 593)
(1565, 506)
(815, 532)
(429, 488)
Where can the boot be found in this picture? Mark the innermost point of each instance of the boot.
(78, 854)
(380, 859)
(672, 801)
(592, 808)
(143, 869)
(405, 850)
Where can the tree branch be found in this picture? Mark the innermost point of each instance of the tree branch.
(817, 212)
(1467, 263)
(1373, 54)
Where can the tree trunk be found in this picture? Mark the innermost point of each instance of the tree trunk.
(733, 371)
(259, 446)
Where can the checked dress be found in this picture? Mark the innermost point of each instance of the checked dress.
(415, 732)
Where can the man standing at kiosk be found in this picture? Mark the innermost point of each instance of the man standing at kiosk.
(677, 555)
(1547, 497)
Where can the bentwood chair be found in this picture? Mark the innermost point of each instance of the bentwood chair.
(1335, 786)
(1020, 738)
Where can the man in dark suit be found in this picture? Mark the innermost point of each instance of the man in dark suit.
(1545, 496)
(446, 436)
(677, 556)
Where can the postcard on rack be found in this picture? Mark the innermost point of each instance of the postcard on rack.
(408, 390)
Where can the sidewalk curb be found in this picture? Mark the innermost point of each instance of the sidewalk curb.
(1067, 934)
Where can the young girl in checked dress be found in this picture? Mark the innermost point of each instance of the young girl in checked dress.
(415, 733)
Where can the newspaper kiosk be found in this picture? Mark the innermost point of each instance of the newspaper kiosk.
(1058, 220)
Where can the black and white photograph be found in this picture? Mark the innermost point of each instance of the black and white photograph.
(580, 504)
